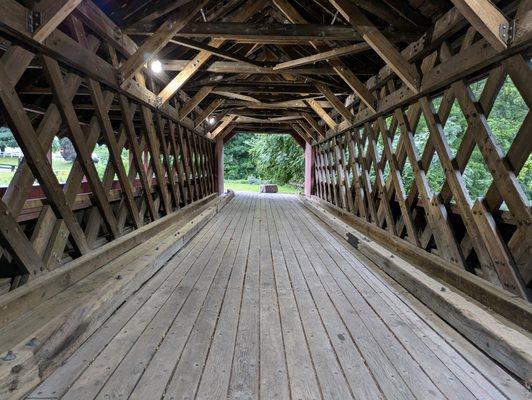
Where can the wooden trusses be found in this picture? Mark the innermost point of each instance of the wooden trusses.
(351, 78)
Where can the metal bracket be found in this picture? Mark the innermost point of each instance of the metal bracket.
(34, 20)
(506, 31)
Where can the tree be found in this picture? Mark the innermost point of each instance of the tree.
(278, 158)
(238, 162)
(6, 139)
(67, 150)
(273, 158)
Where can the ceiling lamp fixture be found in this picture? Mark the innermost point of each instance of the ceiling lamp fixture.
(212, 120)
(156, 66)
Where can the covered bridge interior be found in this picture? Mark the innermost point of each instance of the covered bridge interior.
(142, 278)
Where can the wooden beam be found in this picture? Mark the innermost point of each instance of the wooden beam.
(225, 121)
(347, 75)
(114, 150)
(335, 102)
(59, 45)
(154, 148)
(322, 113)
(52, 12)
(194, 101)
(314, 124)
(160, 125)
(179, 160)
(487, 19)
(271, 32)
(271, 88)
(308, 130)
(137, 154)
(184, 155)
(94, 18)
(191, 44)
(246, 119)
(12, 236)
(326, 55)
(244, 13)
(301, 132)
(382, 46)
(227, 67)
(480, 55)
(237, 96)
(151, 46)
(297, 103)
(209, 110)
(157, 10)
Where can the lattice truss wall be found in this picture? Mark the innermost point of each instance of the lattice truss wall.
(170, 163)
(377, 168)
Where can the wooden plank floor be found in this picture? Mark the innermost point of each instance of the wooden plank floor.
(265, 302)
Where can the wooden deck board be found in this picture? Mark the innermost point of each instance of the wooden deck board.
(266, 302)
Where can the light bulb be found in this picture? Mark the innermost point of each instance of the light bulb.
(156, 66)
(212, 120)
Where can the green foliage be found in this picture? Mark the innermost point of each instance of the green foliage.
(272, 158)
(238, 162)
(505, 119)
(278, 158)
(66, 148)
(6, 138)
(55, 145)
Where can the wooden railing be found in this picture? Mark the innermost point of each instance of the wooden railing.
(171, 161)
(377, 168)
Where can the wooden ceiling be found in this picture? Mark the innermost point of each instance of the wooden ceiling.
(246, 63)
(269, 59)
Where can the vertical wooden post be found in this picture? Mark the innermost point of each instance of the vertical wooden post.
(219, 165)
(309, 168)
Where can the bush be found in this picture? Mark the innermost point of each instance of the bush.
(6, 139)
(66, 148)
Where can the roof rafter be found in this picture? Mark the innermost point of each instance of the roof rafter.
(243, 14)
(214, 51)
(194, 101)
(322, 113)
(53, 13)
(223, 124)
(323, 56)
(209, 110)
(347, 75)
(382, 46)
(151, 46)
(335, 102)
(487, 19)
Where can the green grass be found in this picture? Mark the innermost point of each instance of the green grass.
(243, 186)
(61, 168)
(9, 160)
(7, 174)
(5, 177)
